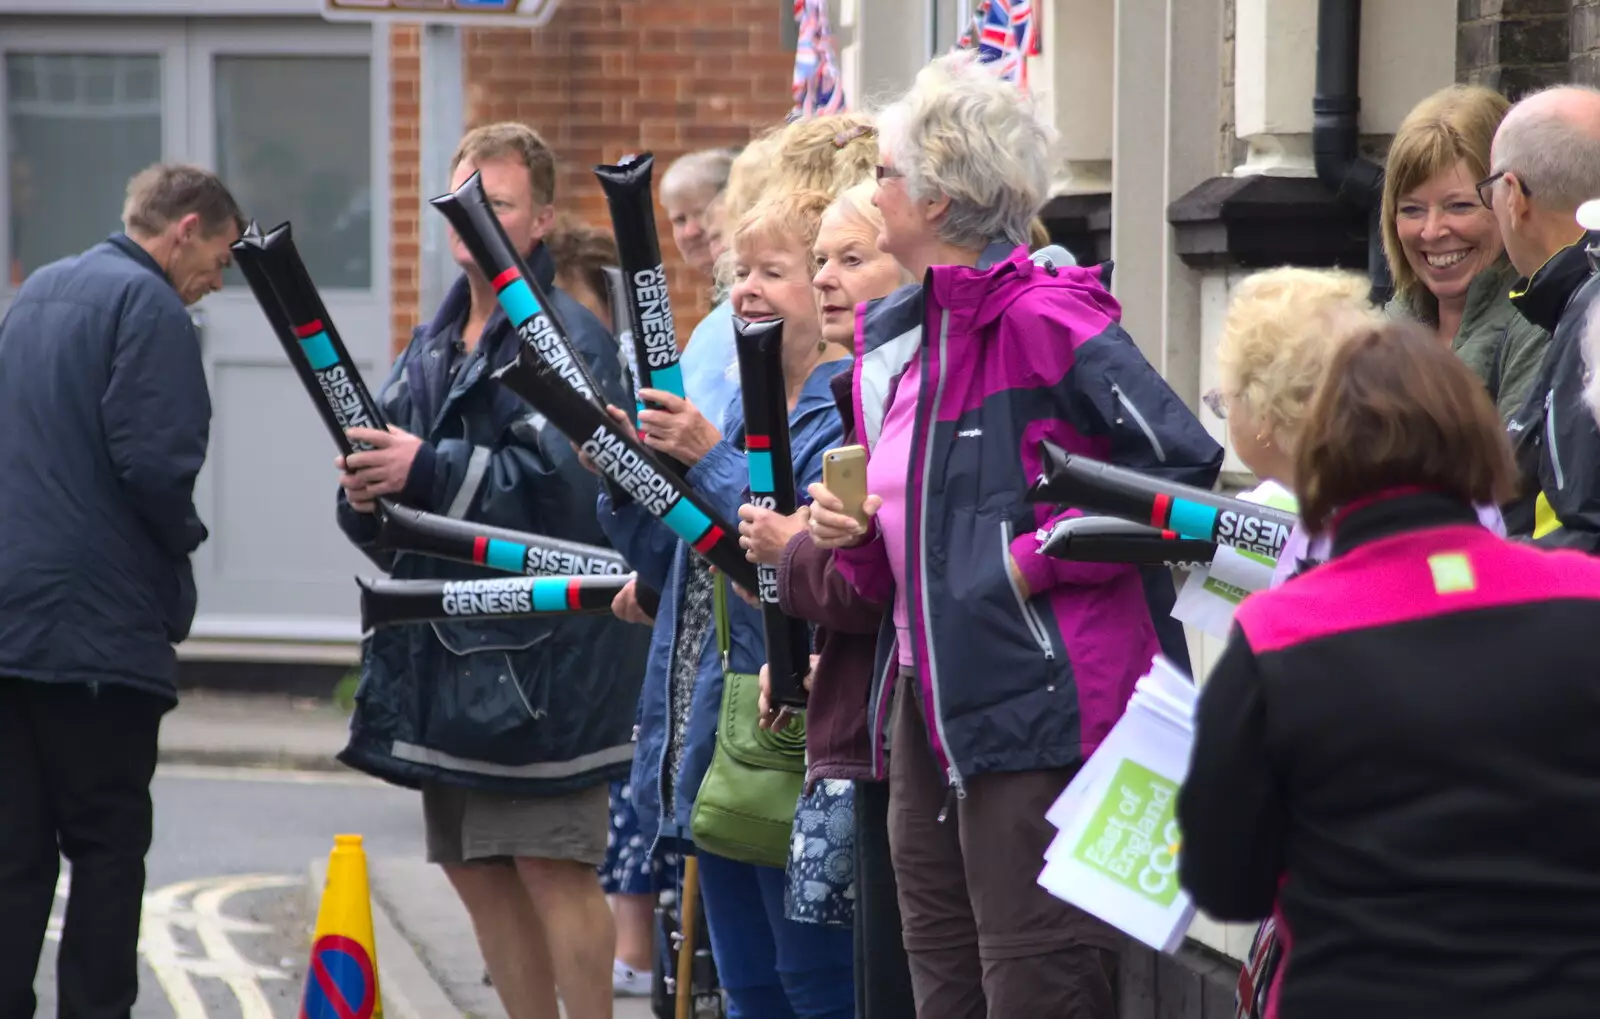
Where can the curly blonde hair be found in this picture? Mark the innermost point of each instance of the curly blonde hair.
(1282, 328)
(785, 218)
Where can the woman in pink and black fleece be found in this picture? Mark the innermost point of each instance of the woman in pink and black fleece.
(1005, 668)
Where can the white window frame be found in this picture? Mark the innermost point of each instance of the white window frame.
(187, 101)
(239, 37)
(956, 19)
(123, 37)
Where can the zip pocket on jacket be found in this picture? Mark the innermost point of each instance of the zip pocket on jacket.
(1550, 439)
(1029, 617)
(1139, 419)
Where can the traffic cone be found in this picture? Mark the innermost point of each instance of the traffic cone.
(342, 982)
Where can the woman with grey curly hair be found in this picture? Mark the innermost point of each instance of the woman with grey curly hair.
(999, 670)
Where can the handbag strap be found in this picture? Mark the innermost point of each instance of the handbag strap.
(719, 601)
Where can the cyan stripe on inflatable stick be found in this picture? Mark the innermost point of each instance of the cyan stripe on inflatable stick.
(388, 602)
(627, 465)
(1095, 487)
(404, 529)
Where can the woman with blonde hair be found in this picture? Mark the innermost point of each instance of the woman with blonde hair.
(824, 154)
(1280, 332)
(771, 967)
(851, 271)
(1443, 245)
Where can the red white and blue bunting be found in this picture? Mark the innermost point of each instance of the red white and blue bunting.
(1005, 33)
(818, 85)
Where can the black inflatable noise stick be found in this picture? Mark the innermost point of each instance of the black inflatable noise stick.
(525, 302)
(633, 220)
(1113, 540)
(386, 602)
(628, 465)
(294, 309)
(1095, 487)
(759, 346)
(404, 529)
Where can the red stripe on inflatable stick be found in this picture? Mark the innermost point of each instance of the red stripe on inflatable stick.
(1160, 510)
(757, 442)
(505, 279)
(574, 594)
(708, 540)
(480, 549)
(311, 328)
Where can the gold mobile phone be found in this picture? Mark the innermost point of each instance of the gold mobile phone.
(844, 471)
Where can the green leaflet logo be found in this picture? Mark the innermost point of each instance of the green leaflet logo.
(1133, 837)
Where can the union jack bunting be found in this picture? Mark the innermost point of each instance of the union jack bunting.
(817, 85)
(1005, 33)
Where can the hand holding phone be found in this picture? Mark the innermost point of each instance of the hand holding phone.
(844, 473)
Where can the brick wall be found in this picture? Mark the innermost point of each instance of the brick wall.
(605, 78)
(405, 168)
(1514, 46)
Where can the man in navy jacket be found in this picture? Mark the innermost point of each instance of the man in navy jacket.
(512, 728)
(104, 422)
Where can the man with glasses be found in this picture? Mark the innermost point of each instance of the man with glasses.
(1546, 163)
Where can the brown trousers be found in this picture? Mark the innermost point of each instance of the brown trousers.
(984, 941)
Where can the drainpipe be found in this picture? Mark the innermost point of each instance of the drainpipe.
(1335, 133)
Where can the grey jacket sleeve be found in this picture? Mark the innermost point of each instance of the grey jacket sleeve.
(1521, 355)
(156, 417)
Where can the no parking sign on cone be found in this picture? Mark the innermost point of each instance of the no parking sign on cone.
(342, 982)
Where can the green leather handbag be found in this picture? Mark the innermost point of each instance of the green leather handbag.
(745, 809)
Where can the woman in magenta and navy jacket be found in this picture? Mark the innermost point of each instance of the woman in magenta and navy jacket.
(1397, 751)
(1001, 669)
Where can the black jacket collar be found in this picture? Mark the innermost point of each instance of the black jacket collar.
(129, 247)
(1543, 297)
(1389, 515)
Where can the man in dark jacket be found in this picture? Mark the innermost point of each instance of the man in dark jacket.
(104, 422)
(513, 729)
(1546, 162)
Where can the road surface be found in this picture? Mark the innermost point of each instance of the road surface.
(226, 922)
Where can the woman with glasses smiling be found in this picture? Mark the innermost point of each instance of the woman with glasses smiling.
(1444, 247)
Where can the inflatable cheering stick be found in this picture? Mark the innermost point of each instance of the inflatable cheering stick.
(1095, 487)
(633, 220)
(766, 421)
(1110, 540)
(278, 279)
(525, 302)
(628, 465)
(404, 529)
(392, 602)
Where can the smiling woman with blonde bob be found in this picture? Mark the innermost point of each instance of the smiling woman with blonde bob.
(770, 966)
(1443, 245)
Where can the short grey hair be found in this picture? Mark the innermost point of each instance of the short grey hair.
(164, 193)
(705, 170)
(964, 133)
(1557, 156)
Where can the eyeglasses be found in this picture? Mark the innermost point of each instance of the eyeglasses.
(1217, 403)
(885, 172)
(1485, 188)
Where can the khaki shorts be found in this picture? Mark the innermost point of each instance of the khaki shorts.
(468, 825)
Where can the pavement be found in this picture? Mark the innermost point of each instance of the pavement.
(429, 966)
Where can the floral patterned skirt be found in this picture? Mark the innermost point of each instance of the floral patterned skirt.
(822, 856)
(629, 868)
